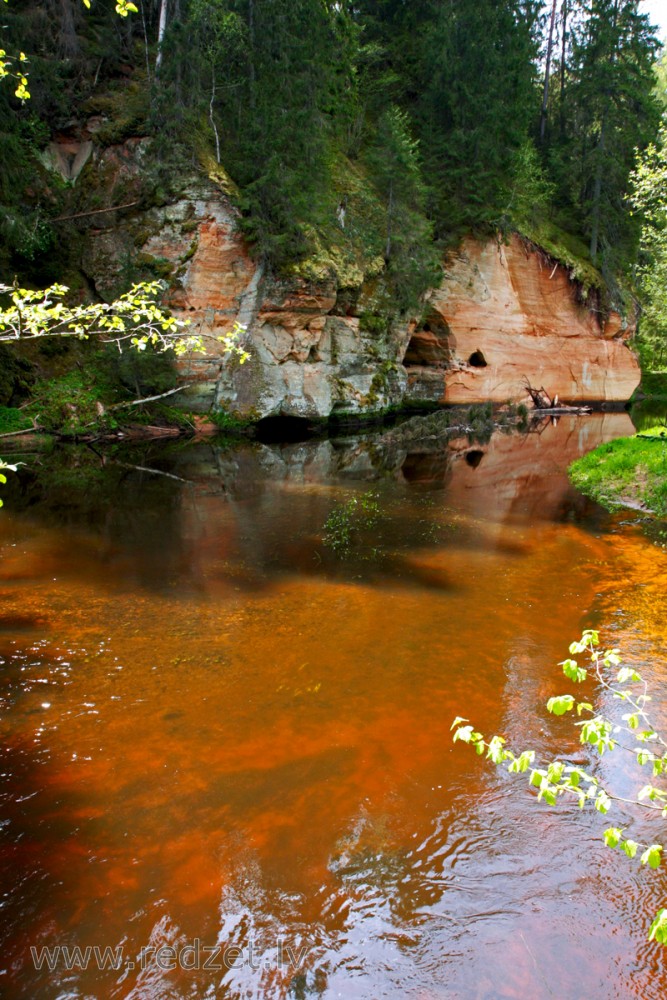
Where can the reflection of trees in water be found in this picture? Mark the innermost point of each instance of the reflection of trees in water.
(106, 512)
(189, 514)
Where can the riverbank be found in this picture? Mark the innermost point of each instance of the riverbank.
(632, 471)
(156, 420)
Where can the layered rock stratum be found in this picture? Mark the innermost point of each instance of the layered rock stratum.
(504, 316)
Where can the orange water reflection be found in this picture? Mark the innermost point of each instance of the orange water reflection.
(216, 730)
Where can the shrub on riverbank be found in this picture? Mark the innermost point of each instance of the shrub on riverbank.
(630, 472)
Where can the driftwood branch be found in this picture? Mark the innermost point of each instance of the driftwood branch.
(95, 211)
(147, 399)
(540, 397)
(27, 430)
(153, 472)
(11, 434)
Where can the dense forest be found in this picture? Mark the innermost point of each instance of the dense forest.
(417, 121)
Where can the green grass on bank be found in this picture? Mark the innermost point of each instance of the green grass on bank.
(654, 384)
(13, 420)
(627, 472)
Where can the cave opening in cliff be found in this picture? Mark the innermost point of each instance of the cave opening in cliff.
(477, 359)
(275, 430)
(429, 345)
(474, 457)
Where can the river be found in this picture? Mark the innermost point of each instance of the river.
(226, 745)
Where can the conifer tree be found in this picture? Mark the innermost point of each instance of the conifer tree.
(612, 112)
(478, 100)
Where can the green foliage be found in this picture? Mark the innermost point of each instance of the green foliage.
(371, 322)
(479, 422)
(659, 927)
(227, 422)
(133, 318)
(477, 99)
(346, 522)
(649, 198)
(395, 167)
(604, 111)
(14, 68)
(351, 253)
(262, 91)
(12, 420)
(77, 403)
(627, 471)
(4, 466)
(25, 231)
(410, 122)
(16, 377)
(531, 195)
(139, 373)
(654, 384)
(92, 398)
(660, 69)
(556, 779)
(125, 110)
(70, 405)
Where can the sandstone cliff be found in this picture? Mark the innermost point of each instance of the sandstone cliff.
(503, 315)
(507, 314)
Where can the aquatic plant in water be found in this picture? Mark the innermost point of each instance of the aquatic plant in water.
(347, 520)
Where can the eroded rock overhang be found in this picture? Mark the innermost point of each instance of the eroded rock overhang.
(503, 316)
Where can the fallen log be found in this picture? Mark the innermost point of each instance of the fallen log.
(559, 411)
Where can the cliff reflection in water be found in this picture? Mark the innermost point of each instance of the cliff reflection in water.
(216, 729)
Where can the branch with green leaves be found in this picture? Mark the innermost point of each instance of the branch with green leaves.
(557, 778)
(15, 68)
(3, 478)
(134, 319)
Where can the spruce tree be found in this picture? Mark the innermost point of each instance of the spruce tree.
(478, 98)
(612, 111)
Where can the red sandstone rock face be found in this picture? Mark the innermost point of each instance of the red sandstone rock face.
(304, 361)
(502, 315)
(215, 266)
(514, 316)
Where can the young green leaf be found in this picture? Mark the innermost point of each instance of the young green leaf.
(573, 671)
(630, 847)
(603, 802)
(560, 704)
(612, 836)
(651, 856)
(658, 930)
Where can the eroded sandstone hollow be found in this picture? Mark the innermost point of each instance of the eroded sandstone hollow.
(515, 317)
(504, 315)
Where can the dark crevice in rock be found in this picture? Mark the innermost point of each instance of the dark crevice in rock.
(429, 345)
(346, 302)
(275, 430)
(474, 457)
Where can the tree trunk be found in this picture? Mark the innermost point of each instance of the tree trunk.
(67, 39)
(390, 212)
(597, 195)
(563, 48)
(162, 27)
(547, 70)
(212, 121)
(251, 55)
